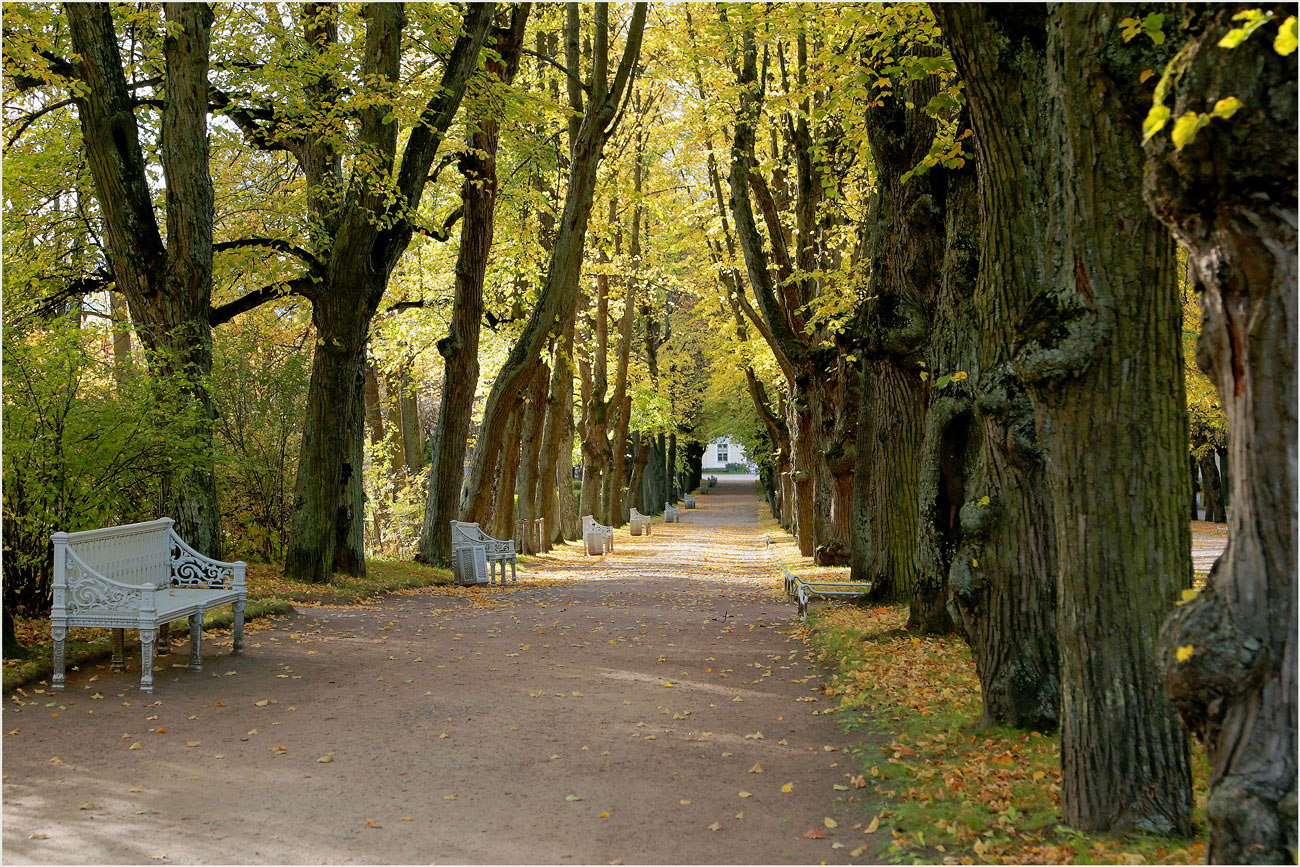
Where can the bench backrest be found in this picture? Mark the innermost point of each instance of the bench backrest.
(587, 522)
(465, 533)
(132, 554)
(637, 515)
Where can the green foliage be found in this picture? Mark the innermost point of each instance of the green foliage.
(259, 386)
(85, 445)
(1152, 25)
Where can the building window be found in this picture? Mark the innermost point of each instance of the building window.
(722, 453)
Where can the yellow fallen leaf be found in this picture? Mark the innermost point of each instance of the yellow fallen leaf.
(134, 747)
(1038, 775)
(37, 835)
(874, 826)
(219, 703)
(191, 743)
(373, 824)
(136, 789)
(815, 834)
(788, 787)
(831, 749)
(125, 736)
(264, 703)
(1188, 596)
(857, 853)
(684, 802)
(449, 797)
(756, 736)
(744, 794)
(837, 845)
(408, 818)
(604, 814)
(757, 769)
(715, 827)
(740, 815)
(443, 735)
(328, 757)
(56, 761)
(830, 823)
(89, 805)
(1185, 652)
(859, 782)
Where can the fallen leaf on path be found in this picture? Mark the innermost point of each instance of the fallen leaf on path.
(134, 747)
(757, 769)
(756, 736)
(263, 703)
(572, 798)
(837, 845)
(745, 794)
(136, 789)
(328, 757)
(684, 802)
(604, 814)
(449, 797)
(37, 835)
(859, 782)
(408, 818)
(89, 805)
(191, 743)
(830, 823)
(874, 826)
(740, 815)
(815, 834)
(373, 824)
(788, 787)
(715, 827)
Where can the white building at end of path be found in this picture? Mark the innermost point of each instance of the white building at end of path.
(723, 451)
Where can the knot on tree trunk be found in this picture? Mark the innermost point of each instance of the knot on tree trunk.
(1207, 662)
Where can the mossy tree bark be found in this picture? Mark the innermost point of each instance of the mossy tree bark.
(1229, 196)
(1099, 348)
(904, 244)
(949, 444)
(1002, 580)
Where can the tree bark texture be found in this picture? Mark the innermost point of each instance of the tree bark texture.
(1229, 196)
(530, 450)
(168, 287)
(1002, 581)
(949, 445)
(904, 244)
(459, 348)
(1099, 348)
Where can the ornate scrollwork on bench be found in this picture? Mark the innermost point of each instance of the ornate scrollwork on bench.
(88, 591)
(191, 569)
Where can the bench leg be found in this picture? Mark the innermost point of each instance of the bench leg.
(119, 651)
(60, 635)
(147, 638)
(165, 639)
(514, 576)
(237, 648)
(196, 637)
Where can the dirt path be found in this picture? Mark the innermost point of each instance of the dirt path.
(602, 710)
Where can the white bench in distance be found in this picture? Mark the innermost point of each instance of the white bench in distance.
(640, 522)
(597, 538)
(671, 514)
(465, 534)
(139, 576)
(688, 500)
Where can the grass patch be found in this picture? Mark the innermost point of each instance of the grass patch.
(959, 793)
(269, 594)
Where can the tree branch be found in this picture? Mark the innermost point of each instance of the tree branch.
(303, 286)
(277, 244)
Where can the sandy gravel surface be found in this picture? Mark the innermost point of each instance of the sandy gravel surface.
(602, 710)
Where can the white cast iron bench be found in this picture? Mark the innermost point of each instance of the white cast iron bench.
(470, 535)
(803, 591)
(140, 576)
(689, 501)
(671, 514)
(597, 538)
(640, 522)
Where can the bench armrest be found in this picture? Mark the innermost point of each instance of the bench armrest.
(189, 568)
(498, 546)
(83, 589)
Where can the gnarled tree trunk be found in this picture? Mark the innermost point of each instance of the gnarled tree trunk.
(1229, 655)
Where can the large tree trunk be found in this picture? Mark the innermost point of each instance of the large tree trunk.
(1229, 655)
(1099, 348)
(350, 542)
(904, 245)
(459, 348)
(530, 450)
(361, 240)
(168, 288)
(949, 445)
(1003, 578)
(1212, 486)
